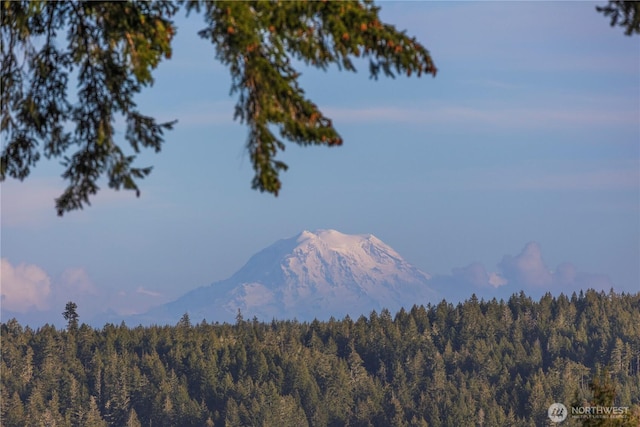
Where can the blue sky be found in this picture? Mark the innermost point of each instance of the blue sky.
(530, 132)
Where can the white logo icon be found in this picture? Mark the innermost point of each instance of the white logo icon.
(557, 412)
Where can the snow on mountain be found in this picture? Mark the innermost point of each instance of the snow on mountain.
(312, 275)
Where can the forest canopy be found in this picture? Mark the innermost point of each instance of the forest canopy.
(493, 363)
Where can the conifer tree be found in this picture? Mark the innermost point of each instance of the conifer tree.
(112, 49)
(71, 316)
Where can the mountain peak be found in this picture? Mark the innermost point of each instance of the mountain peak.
(315, 274)
(335, 240)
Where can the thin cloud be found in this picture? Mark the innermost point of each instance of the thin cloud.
(28, 290)
(536, 117)
(495, 84)
(31, 203)
(528, 268)
(25, 287)
(529, 271)
(526, 271)
(623, 178)
(136, 301)
(147, 292)
(473, 274)
(464, 281)
(495, 280)
(76, 281)
(593, 180)
(498, 117)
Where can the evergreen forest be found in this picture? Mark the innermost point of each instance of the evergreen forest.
(477, 363)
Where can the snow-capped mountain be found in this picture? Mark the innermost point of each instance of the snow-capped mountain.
(312, 275)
